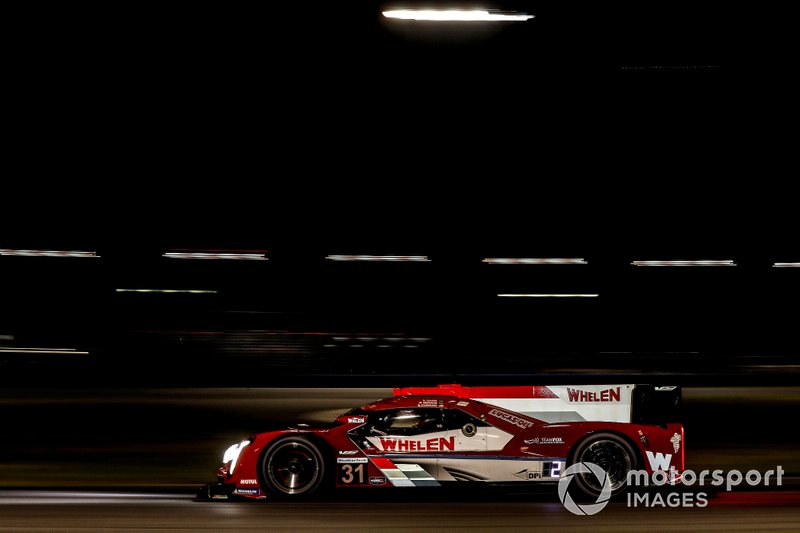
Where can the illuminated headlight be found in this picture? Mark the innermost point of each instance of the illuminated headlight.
(232, 454)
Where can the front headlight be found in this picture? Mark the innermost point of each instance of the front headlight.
(232, 454)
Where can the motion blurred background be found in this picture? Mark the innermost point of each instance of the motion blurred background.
(299, 137)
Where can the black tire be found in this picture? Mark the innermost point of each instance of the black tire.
(610, 452)
(293, 467)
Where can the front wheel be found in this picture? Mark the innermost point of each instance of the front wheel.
(610, 452)
(293, 466)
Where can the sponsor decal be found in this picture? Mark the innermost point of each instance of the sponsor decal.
(525, 474)
(430, 403)
(511, 418)
(676, 442)
(666, 388)
(377, 480)
(348, 452)
(436, 444)
(248, 482)
(606, 395)
(643, 438)
(356, 420)
(352, 460)
(659, 461)
(462, 403)
(248, 491)
(545, 440)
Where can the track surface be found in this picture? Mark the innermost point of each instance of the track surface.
(31, 511)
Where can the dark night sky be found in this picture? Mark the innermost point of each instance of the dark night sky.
(138, 128)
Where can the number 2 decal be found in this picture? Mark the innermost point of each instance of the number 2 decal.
(349, 473)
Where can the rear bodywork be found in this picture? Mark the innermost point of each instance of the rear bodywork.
(431, 436)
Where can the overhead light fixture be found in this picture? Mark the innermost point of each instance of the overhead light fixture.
(537, 295)
(170, 291)
(241, 255)
(417, 258)
(456, 15)
(786, 265)
(534, 261)
(56, 351)
(47, 253)
(701, 262)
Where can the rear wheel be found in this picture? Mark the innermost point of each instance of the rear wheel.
(293, 466)
(610, 452)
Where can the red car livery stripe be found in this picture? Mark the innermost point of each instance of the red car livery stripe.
(479, 392)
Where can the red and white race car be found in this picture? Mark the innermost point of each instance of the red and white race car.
(432, 436)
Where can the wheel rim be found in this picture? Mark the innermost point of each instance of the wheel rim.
(611, 456)
(293, 468)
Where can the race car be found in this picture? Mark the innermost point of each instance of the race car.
(453, 434)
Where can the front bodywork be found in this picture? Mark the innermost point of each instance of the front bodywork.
(457, 439)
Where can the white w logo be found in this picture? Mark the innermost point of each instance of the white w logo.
(659, 461)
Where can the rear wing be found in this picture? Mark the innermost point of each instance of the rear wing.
(642, 404)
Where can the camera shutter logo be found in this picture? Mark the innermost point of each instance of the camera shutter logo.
(587, 508)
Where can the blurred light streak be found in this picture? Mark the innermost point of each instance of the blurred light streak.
(59, 497)
(47, 253)
(699, 262)
(786, 265)
(455, 15)
(534, 295)
(418, 258)
(59, 351)
(219, 254)
(190, 291)
(534, 261)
